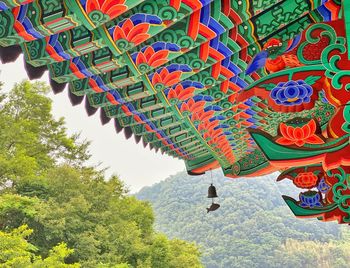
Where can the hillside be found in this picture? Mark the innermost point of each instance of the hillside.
(252, 228)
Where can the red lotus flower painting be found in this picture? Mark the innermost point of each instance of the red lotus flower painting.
(206, 125)
(166, 78)
(202, 116)
(192, 106)
(299, 135)
(306, 180)
(181, 93)
(112, 8)
(152, 58)
(135, 34)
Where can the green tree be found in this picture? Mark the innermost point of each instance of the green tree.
(31, 140)
(16, 210)
(16, 251)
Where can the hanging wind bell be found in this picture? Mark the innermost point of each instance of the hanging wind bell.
(212, 194)
(212, 191)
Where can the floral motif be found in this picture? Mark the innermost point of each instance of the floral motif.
(192, 106)
(299, 135)
(291, 93)
(134, 30)
(112, 8)
(202, 116)
(310, 199)
(168, 76)
(183, 91)
(322, 186)
(132, 33)
(207, 126)
(152, 58)
(306, 180)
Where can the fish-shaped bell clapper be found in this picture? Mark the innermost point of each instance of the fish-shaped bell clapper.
(213, 207)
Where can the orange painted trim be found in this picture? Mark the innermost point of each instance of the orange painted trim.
(213, 165)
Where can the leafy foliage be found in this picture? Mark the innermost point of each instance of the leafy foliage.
(16, 251)
(57, 212)
(252, 228)
(31, 140)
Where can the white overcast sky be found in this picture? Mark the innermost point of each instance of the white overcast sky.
(136, 166)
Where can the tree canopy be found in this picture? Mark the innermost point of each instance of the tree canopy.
(31, 139)
(16, 251)
(55, 211)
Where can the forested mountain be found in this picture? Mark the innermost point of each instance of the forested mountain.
(55, 211)
(252, 228)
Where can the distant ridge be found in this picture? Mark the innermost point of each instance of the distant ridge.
(251, 227)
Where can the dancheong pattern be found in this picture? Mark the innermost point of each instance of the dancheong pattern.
(249, 86)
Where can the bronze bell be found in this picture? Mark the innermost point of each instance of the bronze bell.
(212, 191)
